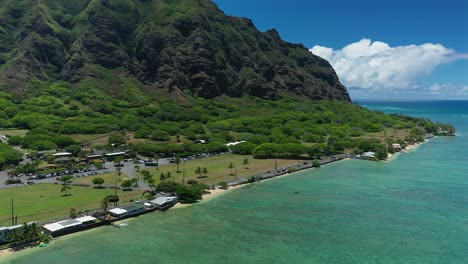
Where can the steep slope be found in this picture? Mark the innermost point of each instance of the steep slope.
(181, 46)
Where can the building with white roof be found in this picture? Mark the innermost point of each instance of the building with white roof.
(62, 154)
(67, 225)
(164, 202)
(117, 212)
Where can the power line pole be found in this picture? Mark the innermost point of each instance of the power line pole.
(12, 213)
(183, 177)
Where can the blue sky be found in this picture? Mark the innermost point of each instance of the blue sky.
(380, 49)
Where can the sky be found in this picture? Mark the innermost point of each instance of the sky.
(400, 49)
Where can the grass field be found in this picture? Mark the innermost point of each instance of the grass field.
(389, 133)
(44, 202)
(218, 168)
(14, 132)
(109, 178)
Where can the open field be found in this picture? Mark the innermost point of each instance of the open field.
(14, 132)
(218, 168)
(93, 139)
(109, 178)
(389, 133)
(44, 202)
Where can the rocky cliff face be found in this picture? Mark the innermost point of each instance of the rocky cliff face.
(187, 46)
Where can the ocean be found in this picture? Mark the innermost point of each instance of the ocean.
(413, 209)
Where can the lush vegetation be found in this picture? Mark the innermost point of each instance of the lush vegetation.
(8, 155)
(279, 129)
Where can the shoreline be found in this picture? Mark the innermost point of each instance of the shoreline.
(9, 252)
(408, 149)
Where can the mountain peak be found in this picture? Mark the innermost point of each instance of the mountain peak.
(177, 45)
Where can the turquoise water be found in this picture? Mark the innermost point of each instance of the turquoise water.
(411, 210)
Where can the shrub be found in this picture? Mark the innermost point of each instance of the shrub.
(223, 185)
(192, 182)
(316, 164)
(13, 181)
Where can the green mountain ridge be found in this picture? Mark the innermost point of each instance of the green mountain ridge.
(176, 46)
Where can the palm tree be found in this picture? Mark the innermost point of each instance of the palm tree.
(105, 203)
(146, 175)
(151, 183)
(156, 157)
(148, 178)
(177, 162)
(15, 235)
(10, 171)
(137, 168)
(198, 171)
(118, 160)
(65, 188)
(119, 171)
(205, 171)
(246, 163)
(134, 182)
(231, 166)
(33, 230)
(168, 176)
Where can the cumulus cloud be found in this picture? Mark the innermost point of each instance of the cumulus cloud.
(377, 65)
(449, 89)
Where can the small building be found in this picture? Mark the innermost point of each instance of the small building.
(396, 146)
(96, 154)
(86, 220)
(69, 225)
(134, 208)
(62, 154)
(5, 231)
(200, 141)
(164, 202)
(127, 210)
(368, 155)
(118, 212)
(115, 154)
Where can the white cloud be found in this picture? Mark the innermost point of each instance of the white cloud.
(448, 89)
(377, 65)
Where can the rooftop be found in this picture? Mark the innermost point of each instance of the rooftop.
(118, 211)
(163, 200)
(62, 225)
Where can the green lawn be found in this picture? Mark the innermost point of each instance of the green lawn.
(14, 132)
(218, 168)
(388, 133)
(44, 202)
(109, 178)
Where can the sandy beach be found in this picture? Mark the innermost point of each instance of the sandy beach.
(210, 196)
(408, 149)
(6, 252)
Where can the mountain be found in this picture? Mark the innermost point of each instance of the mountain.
(177, 46)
